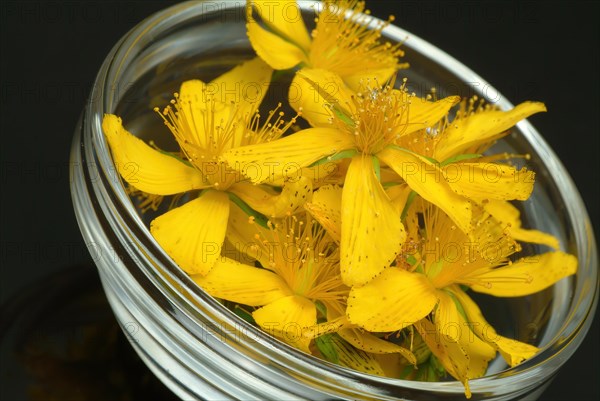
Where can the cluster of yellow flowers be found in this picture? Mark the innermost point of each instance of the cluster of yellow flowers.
(355, 230)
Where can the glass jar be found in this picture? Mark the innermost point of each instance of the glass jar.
(200, 349)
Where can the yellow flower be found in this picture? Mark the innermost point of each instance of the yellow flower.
(448, 153)
(361, 126)
(415, 139)
(206, 122)
(342, 41)
(300, 266)
(424, 290)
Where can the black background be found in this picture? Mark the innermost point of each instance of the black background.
(51, 51)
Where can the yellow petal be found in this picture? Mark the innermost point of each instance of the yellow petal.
(503, 211)
(425, 178)
(322, 173)
(241, 283)
(204, 123)
(287, 157)
(273, 49)
(284, 17)
(513, 351)
(328, 327)
(450, 353)
(246, 85)
(399, 195)
(146, 168)
(315, 91)
(479, 181)
(287, 318)
(194, 91)
(242, 235)
(193, 234)
(193, 118)
(454, 328)
(450, 339)
(481, 128)
(293, 196)
(509, 215)
(367, 214)
(357, 81)
(366, 341)
(327, 173)
(208, 111)
(526, 276)
(326, 208)
(534, 236)
(392, 301)
(356, 359)
(423, 113)
(389, 176)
